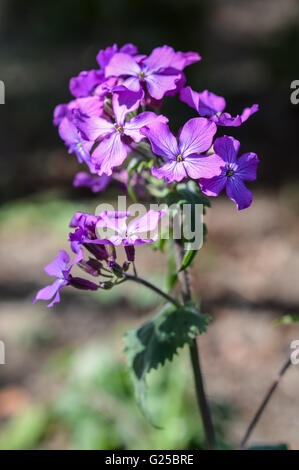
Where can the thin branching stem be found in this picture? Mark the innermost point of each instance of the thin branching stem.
(264, 403)
(151, 286)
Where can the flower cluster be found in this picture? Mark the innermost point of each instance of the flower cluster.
(101, 262)
(115, 114)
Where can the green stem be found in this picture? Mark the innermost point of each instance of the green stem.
(194, 354)
(151, 286)
(134, 269)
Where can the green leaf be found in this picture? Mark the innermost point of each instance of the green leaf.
(269, 447)
(172, 276)
(188, 258)
(159, 339)
(185, 193)
(287, 320)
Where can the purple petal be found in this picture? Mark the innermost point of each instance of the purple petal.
(106, 87)
(90, 106)
(162, 140)
(226, 120)
(115, 240)
(68, 131)
(158, 84)
(129, 48)
(124, 102)
(105, 55)
(237, 192)
(213, 186)
(160, 58)
(70, 134)
(146, 223)
(196, 136)
(227, 148)
(116, 221)
(95, 127)
(183, 59)
(132, 84)
(199, 166)
(247, 112)
(109, 153)
(180, 83)
(61, 111)
(206, 102)
(171, 171)
(122, 64)
(95, 183)
(135, 240)
(247, 166)
(58, 265)
(83, 220)
(50, 291)
(85, 82)
(133, 126)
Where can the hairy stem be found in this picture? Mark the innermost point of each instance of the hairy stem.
(264, 403)
(151, 286)
(194, 354)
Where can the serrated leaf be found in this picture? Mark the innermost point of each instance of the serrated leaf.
(159, 339)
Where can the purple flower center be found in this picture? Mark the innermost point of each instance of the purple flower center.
(179, 158)
(229, 173)
(141, 75)
(118, 128)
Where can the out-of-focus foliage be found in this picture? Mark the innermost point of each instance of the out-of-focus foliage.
(95, 407)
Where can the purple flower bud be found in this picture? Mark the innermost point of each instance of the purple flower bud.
(130, 252)
(115, 268)
(92, 266)
(83, 284)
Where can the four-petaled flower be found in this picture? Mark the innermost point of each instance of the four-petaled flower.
(183, 156)
(130, 234)
(158, 73)
(234, 172)
(60, 268)
(116, 137)
(208, 104)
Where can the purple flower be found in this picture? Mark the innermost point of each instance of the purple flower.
(85, 83)
(75, 143)
(156, 72)
(95, 183)
(60, 268)
(116, 137)
(234, 172)
(208, 104)
(90, 105)
(85, 236)
(66, 116)
(130, 234)
(183, 159)
(105, 55)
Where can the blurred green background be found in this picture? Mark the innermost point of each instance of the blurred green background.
(65, 383)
